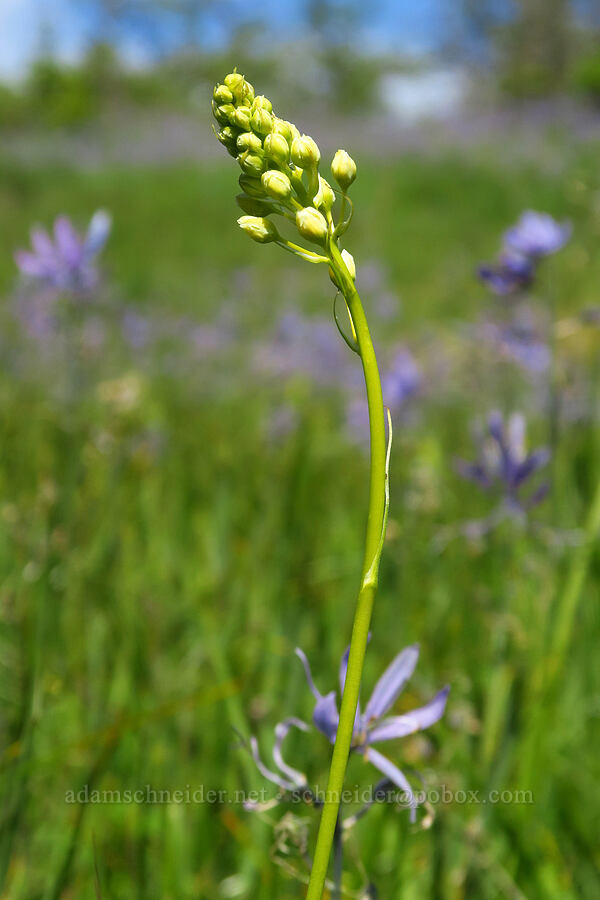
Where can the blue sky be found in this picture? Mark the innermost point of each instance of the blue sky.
(72, 24)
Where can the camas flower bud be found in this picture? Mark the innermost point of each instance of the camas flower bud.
(343, 169)
(227, 137)
(311, 225)
(249, 141)
(261, 121)
(350, 264)
(259, 229)
(252, 163)
(223, 113)
(222, 94)
(276, 184)
(241, 118)
(242, 90)
(349, 261)
(324, 198)
(305, 152)
(280, 126)
(252, 186)
(262, 102)
(277, 148)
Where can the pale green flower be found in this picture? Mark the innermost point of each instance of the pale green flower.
(259, 229)
(343, 169)
(312, 224)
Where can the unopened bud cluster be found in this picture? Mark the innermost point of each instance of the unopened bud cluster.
(280, 166)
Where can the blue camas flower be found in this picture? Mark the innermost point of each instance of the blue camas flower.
(534, 236)
(537, 234)
(509, 275)
(66, 263)
(504, 462)
(371, 726)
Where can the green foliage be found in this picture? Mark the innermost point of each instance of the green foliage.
(60, 96)
(586, 76)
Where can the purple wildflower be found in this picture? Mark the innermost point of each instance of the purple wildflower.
(65, 263)
(371, 726)
(509, 275)
(504, 461)
(401, 380)
(519, 342)
(537, 234)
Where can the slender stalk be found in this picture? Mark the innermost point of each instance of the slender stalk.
(569, 598)
(364, 606)
(338, 860)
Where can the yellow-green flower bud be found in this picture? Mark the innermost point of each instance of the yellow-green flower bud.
(227, 137)
(277, 148)
(262, 102)
(294, 133)
(249, 141)
(251, 186)
(349, 261)
(241, 118)
(324, 198)
(280, 126)
(223, 113)
(222, 94)
(311, 224)
(259, 229)
(254, 207)
(261, 121)
(252, 163)
(276, 184)
(350, 264)
(241, 89)
(305, 152)
(234, 82)
(343, 169)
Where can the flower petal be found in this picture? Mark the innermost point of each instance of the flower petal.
(536, 460)
(475, 472)
(276, 779)
(68, 242)
(97, 233)
(302, 656)
(42, 242)
(394, 774)
(416, 720)
(325, 716)
(391, 682)
(31, 264)
(281, 730)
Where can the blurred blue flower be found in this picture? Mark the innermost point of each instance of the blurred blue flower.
(504, 462)
(537, 234)
(534, 236)
(519, 342)
(65, 263)
(401, 380)
(509, 275)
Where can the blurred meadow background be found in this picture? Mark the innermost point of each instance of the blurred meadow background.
(183, 455)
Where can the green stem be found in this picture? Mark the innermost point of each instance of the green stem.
(568, 599)
(364, 606)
